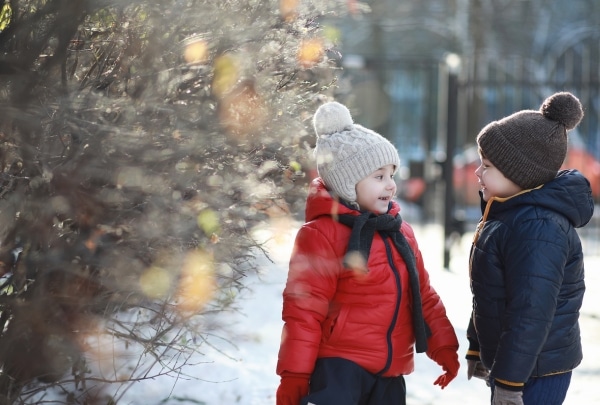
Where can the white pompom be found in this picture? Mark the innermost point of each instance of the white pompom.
(332, 117)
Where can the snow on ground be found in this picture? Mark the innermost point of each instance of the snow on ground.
(245, 373)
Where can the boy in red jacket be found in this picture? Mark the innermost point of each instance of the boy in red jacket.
(358, 301)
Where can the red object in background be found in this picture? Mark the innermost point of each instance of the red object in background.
(466, 185)
(586, 163)
(412, 189)
(467, 188)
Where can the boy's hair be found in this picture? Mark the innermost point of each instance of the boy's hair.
(347, 152)
(529, 147)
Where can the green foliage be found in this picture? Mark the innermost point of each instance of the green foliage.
(5, 16)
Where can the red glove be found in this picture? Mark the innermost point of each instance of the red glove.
(292, 388)
(448, 359)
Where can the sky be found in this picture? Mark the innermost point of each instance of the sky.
(241, 369)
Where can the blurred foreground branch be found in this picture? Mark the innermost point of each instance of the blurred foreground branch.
(140, 143)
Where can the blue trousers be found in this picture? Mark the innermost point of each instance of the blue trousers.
(549, 390)
(337, 381)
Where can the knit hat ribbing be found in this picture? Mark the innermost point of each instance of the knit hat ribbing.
(529, 147)
(347, 152)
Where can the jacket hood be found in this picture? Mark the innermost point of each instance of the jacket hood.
(569, 194)
(320, 202)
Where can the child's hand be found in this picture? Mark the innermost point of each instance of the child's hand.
(476, 369)
(506, 397)
(292, 388)
(448, 359)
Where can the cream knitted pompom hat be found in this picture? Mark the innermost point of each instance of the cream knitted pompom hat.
(347, 152)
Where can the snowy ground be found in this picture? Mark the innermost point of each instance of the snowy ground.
(246, 375)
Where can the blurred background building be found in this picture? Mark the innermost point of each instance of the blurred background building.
(430, 74)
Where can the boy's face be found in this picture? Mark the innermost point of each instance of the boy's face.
(492, 181)
(374, 192)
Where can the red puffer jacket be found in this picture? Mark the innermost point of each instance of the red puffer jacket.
(331, 311)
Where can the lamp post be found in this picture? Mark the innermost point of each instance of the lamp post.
(450, 223)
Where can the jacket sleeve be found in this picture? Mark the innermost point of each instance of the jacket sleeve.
(534, 257)
(310, 286)
(442, 335)
(473, 350)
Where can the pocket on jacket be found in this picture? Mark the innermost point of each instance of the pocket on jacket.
(333, 326)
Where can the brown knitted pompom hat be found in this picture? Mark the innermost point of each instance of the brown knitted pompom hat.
(529, 146)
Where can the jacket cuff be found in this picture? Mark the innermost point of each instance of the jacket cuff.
(473, 343)
(509, 385)
(285, 374)
(472, 355)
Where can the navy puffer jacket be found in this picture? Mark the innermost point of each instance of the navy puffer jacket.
(527, 279)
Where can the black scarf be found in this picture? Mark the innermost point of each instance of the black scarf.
(361, 238)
